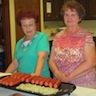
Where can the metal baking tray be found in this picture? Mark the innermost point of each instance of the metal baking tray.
(65, 88)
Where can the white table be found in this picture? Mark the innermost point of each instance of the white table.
(8, 92)
(82, 91)
(79, 91)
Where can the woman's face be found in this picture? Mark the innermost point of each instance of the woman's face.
(71, 18)
(28, 26)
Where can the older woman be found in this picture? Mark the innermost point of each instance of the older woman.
(32, 50)
(73, 55)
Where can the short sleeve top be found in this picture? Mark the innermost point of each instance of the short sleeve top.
(69, 53)
(27, 55)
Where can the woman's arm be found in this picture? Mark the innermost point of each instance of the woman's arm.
(43, 52)
(54, 68)
(68, 76)
(12, 67)
(87, 65)
(52, 65)
(40, 63)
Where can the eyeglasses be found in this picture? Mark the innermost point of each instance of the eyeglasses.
(27, 25)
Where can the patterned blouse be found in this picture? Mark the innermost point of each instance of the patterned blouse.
(69, 54)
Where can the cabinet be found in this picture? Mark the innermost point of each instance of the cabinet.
(20, 5)
(90, 7)
(85, 5)
(94, 38)
(52, 9)
(1, 27)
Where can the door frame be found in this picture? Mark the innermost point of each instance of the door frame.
(6, 30)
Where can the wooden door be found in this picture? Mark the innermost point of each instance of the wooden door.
(33, 5)
(6, 32)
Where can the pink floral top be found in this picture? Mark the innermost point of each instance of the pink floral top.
(69, 53)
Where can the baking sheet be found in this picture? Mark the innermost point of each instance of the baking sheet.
(65, 88)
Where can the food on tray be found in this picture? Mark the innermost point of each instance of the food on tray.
(47, 82)
(25, 77)
(34, 79)
(52, 82)
(41, 85)
(18, 78)
(42, 81)
(37, 89)
(16, 94)
(9, 81)
(27, 80)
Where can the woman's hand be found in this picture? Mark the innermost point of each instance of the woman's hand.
(32, 74)
(62, 76)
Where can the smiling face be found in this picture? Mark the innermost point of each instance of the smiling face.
(71, 18)
(28, 26)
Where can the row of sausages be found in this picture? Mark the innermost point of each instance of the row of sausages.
(18, 77)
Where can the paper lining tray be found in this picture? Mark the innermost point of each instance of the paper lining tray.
(65, 88)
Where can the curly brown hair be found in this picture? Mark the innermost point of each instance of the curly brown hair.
(26, 14)
(73, 4)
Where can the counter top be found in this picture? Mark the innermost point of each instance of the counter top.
(82, 91)
(51, 38)
(79, 91)
(9, 92)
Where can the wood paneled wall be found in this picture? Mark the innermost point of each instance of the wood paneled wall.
(33, 5)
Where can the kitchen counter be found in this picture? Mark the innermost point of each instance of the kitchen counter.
(79, 91)
(52, 37)
(9, 92)
(82, 91)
